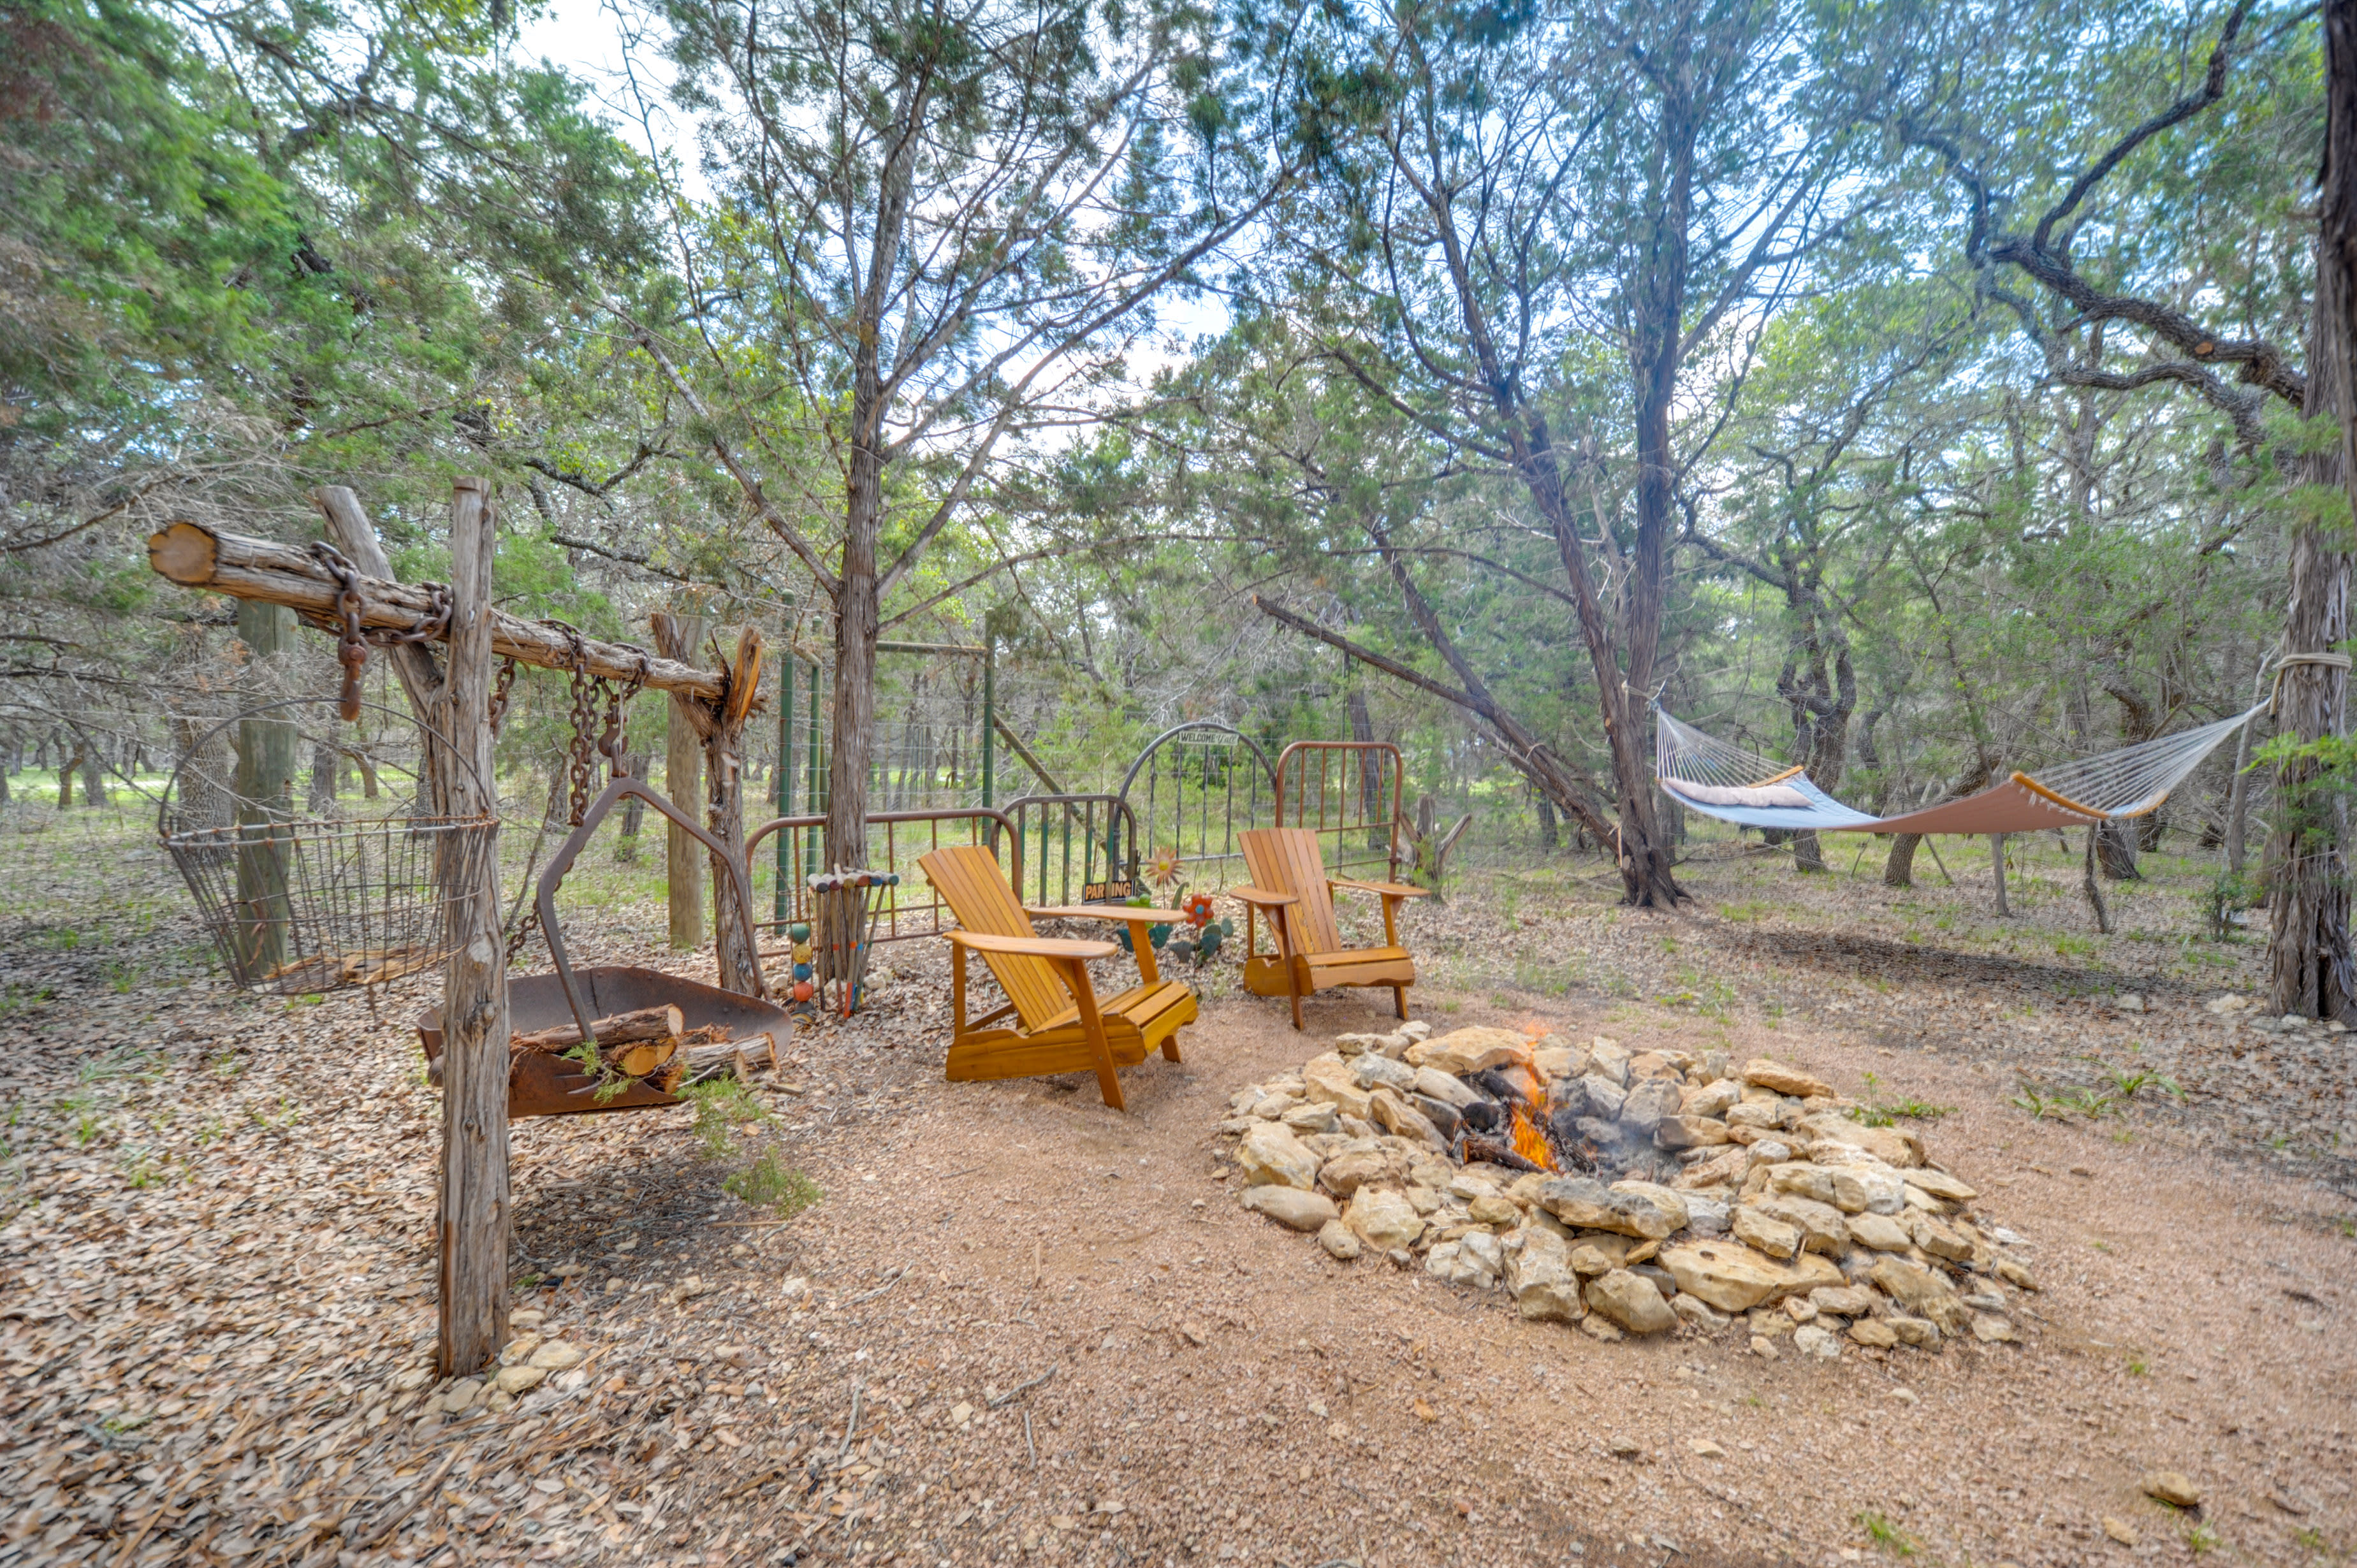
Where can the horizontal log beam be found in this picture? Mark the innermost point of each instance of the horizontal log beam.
(196, 556)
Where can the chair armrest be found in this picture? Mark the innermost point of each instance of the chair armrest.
(1386, 889)
(1262, 897)
(1136, 917)
(1032, 947)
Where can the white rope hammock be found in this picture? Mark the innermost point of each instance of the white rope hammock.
(1739, 786)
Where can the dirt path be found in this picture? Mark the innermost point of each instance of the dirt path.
(1065, 1341)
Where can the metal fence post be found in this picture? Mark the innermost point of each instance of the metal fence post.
(784, 856)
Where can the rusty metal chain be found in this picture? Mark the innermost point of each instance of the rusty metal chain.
(613, 744)
(352, 645)
(580, 768)
(501, 691)
(353, 639)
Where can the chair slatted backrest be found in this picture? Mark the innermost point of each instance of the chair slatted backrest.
(969, 880)
(1285, 860)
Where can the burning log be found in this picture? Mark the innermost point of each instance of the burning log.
(1489, 1151)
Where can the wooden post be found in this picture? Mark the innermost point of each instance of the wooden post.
(473, 1231)
(265, 794)
(683, 775)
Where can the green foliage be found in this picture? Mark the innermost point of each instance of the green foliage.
(766, 1182)
(723, 1109)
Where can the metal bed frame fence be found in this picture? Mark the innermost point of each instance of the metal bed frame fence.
(1190, 774)
(912, 909)
(1078, 849)
(1352, 794)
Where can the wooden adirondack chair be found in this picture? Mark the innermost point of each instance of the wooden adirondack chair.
(1291, 887)
(1059, 1025)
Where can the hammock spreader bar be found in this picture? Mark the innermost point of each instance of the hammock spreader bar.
(1719, 780)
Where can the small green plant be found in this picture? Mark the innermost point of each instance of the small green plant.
(2311, 1537)
(2130, 1084)
(2138, 1366)
(722, 1106)
(2228, 894)
(767, 1181)
(1885, 1535)
(2200, 1538)
(87, 1129)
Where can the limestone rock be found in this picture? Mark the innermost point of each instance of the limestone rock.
(1604, 1098)
(1811, 1339)
(2173, 1489)
(1682, 1132)
(1763, 1233)
(1764, 1074)
(1291, 1206)
(512, 1381)
(1538, 1273)
(1608, 1060)
(1632, 1302)
(1341, 1241)
(1372, 1071)
(1312, 1119)
(1941, 1184)
(1881, 1232)
(1491, 1209)
(557, 1356)
(1360, 1161)
(1925, 1293)
(1707, 1215)
(1719, 1170)
(1329, 1079)
(1822, 1227)
(1991, 1329)
(1392, 1114)
(1696, 1312)
(1552, 1062)
(1435, 1084)
(1629, 1208)
(1843, 1301)
(1443, 1116)
(1382, 1218)
(1414, 1029)
(1919, 1332)
(1714, 1100)
(1469, 1050)
(1270, 1153)
(1894, 1146)
(1938, 1240)
(2119, 1530)
(1723, 1274)
(1647, 1102)
(1874, 1331)
(1657, 1064)
(1475, 1259)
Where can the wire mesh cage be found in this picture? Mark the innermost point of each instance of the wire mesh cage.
(351, 896)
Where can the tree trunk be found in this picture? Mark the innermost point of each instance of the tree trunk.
(845, 840)
(93, 773)
(1899, 871)
(724, 766)
(474, 1217)
(326, 762)
(2094, 883)
(1370, 783)
(2116, 851)
(683, 781)
(65, 770)
(265, 794)
(1996, 871)
(2310, 964)
(1550, 834)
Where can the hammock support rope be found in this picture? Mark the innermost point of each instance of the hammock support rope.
(1725, 782)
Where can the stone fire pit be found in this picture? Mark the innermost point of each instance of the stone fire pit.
(1683, 1194)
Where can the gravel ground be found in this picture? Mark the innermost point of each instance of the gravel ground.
(1038, 1330)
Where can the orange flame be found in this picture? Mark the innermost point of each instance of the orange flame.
(1530, 1143)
